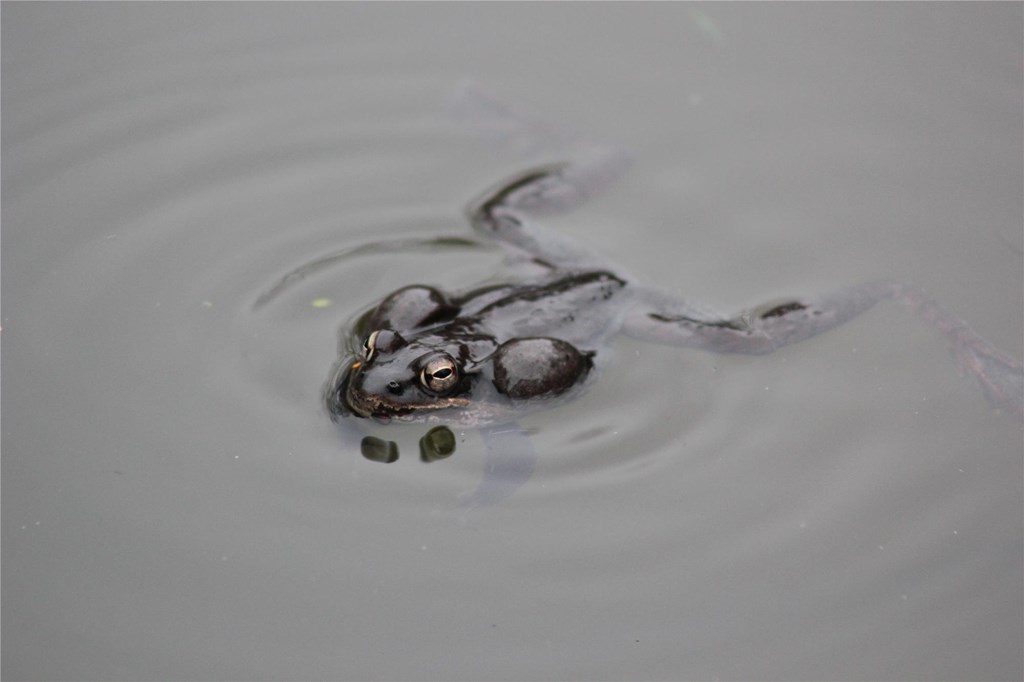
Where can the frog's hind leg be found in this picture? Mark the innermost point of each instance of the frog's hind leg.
(505, 212)
(661, 318)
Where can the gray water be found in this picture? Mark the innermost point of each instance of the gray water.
(177, 505)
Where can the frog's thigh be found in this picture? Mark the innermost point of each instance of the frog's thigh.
(535, 367)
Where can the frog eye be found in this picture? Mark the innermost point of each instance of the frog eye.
(370, 346)
(381, 341)
(440, 374)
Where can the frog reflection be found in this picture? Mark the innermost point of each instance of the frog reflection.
(436, 444)
(489, 355)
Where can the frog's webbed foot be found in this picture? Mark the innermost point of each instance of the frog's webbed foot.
(1000, 376)
(661, 318)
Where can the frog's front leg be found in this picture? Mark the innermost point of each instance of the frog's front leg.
(662, 318)
(508, 464)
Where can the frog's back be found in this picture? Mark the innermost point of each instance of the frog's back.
(582, 308)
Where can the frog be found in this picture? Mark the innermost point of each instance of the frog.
(492, 354)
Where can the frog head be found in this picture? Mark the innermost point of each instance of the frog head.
(396, 378)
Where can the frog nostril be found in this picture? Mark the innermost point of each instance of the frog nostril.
(394, 388)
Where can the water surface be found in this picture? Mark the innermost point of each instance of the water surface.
(176, 503)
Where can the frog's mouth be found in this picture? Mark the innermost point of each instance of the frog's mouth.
(367, 406)
(383, 410)
(349, 401)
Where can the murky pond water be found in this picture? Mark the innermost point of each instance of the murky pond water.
(176, 503)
